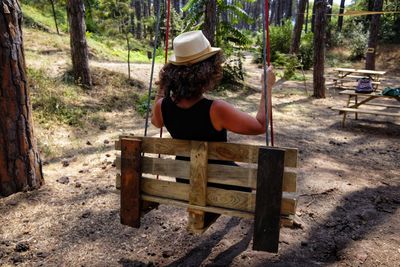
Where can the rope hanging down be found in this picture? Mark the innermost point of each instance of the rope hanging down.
(166, 47)
(266, 63)
(157, 31)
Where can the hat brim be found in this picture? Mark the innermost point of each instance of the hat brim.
(190, 61)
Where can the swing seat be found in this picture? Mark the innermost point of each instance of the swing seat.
(147, 180)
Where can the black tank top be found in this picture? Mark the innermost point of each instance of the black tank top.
(193, 123)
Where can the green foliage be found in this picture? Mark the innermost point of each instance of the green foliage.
(306, 50)
(228, 37)
(141, 104)
(51, 106)
(40, 16)
(233, 70)
(290, 64)
(389, 31)
(280, 38)
(357, 40)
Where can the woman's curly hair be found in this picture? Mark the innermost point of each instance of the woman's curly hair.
(186, 82)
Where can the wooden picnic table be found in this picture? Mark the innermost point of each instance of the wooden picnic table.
(368, 107)
(352, 75)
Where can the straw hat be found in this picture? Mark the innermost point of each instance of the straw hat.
(191, 47)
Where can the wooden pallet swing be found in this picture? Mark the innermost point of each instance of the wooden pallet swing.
(268, 171)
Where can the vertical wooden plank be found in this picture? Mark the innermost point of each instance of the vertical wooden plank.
(268, 199)
(198, 184)
(130, 182)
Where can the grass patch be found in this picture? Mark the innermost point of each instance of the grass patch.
(59, 101)
(53, 101)
(41, 19)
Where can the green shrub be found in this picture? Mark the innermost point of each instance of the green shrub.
(290, 64)
(280, 39)
(307, 50)
(233, 72)
(141, 104)
(358, 40)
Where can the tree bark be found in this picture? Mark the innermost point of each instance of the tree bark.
(313, 18)
(340, 18)
(156, 4)
(319, 48)
(307, 8)
(177, 6)
(79, 48)
(298, 27)
(20, 164)
(138, 13)
(373, 36)
(54, 15)
(210, 20)
(288, 7)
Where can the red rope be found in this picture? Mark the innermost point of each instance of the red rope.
(166, 52)
(269, 63)
(166, 42)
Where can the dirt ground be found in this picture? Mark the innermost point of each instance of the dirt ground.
(348, 194)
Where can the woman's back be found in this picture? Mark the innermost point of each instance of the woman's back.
(193, 123)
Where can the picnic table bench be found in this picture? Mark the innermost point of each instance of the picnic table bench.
(368, 107)
(352, 75)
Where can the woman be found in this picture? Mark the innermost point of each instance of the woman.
(180, 105)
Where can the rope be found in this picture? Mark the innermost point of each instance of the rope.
(269, 63)
(166, 47)
(152, 70)
(265, 12)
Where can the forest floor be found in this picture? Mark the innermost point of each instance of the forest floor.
(348, 192)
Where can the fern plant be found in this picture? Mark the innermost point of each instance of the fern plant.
(232, 40)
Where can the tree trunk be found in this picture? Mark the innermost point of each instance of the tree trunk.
(138, 13)
(256, 15)
(298, 27)
(79, 49)
(148, 11)
(373, 36)
(340, 18)
(144, 16)
(20, 164)
(288, 7)
(54, 16)
(224, 13)
(272, 7)
(328, 34)
(129, 54)
(313, 18)
(307, 8)
(210, 21)
(319, 48)
(156, 4)
(177, 6)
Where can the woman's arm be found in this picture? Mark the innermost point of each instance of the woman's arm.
(156, 115)
(225, 116)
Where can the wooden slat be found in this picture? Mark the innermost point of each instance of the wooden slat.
(198, 184)
(376, 94)
(366, 111)
(382, 105)
(268, 200)
(130, 182)
(216, 197)
(217, 150)
(220, 174)
(285, 220)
